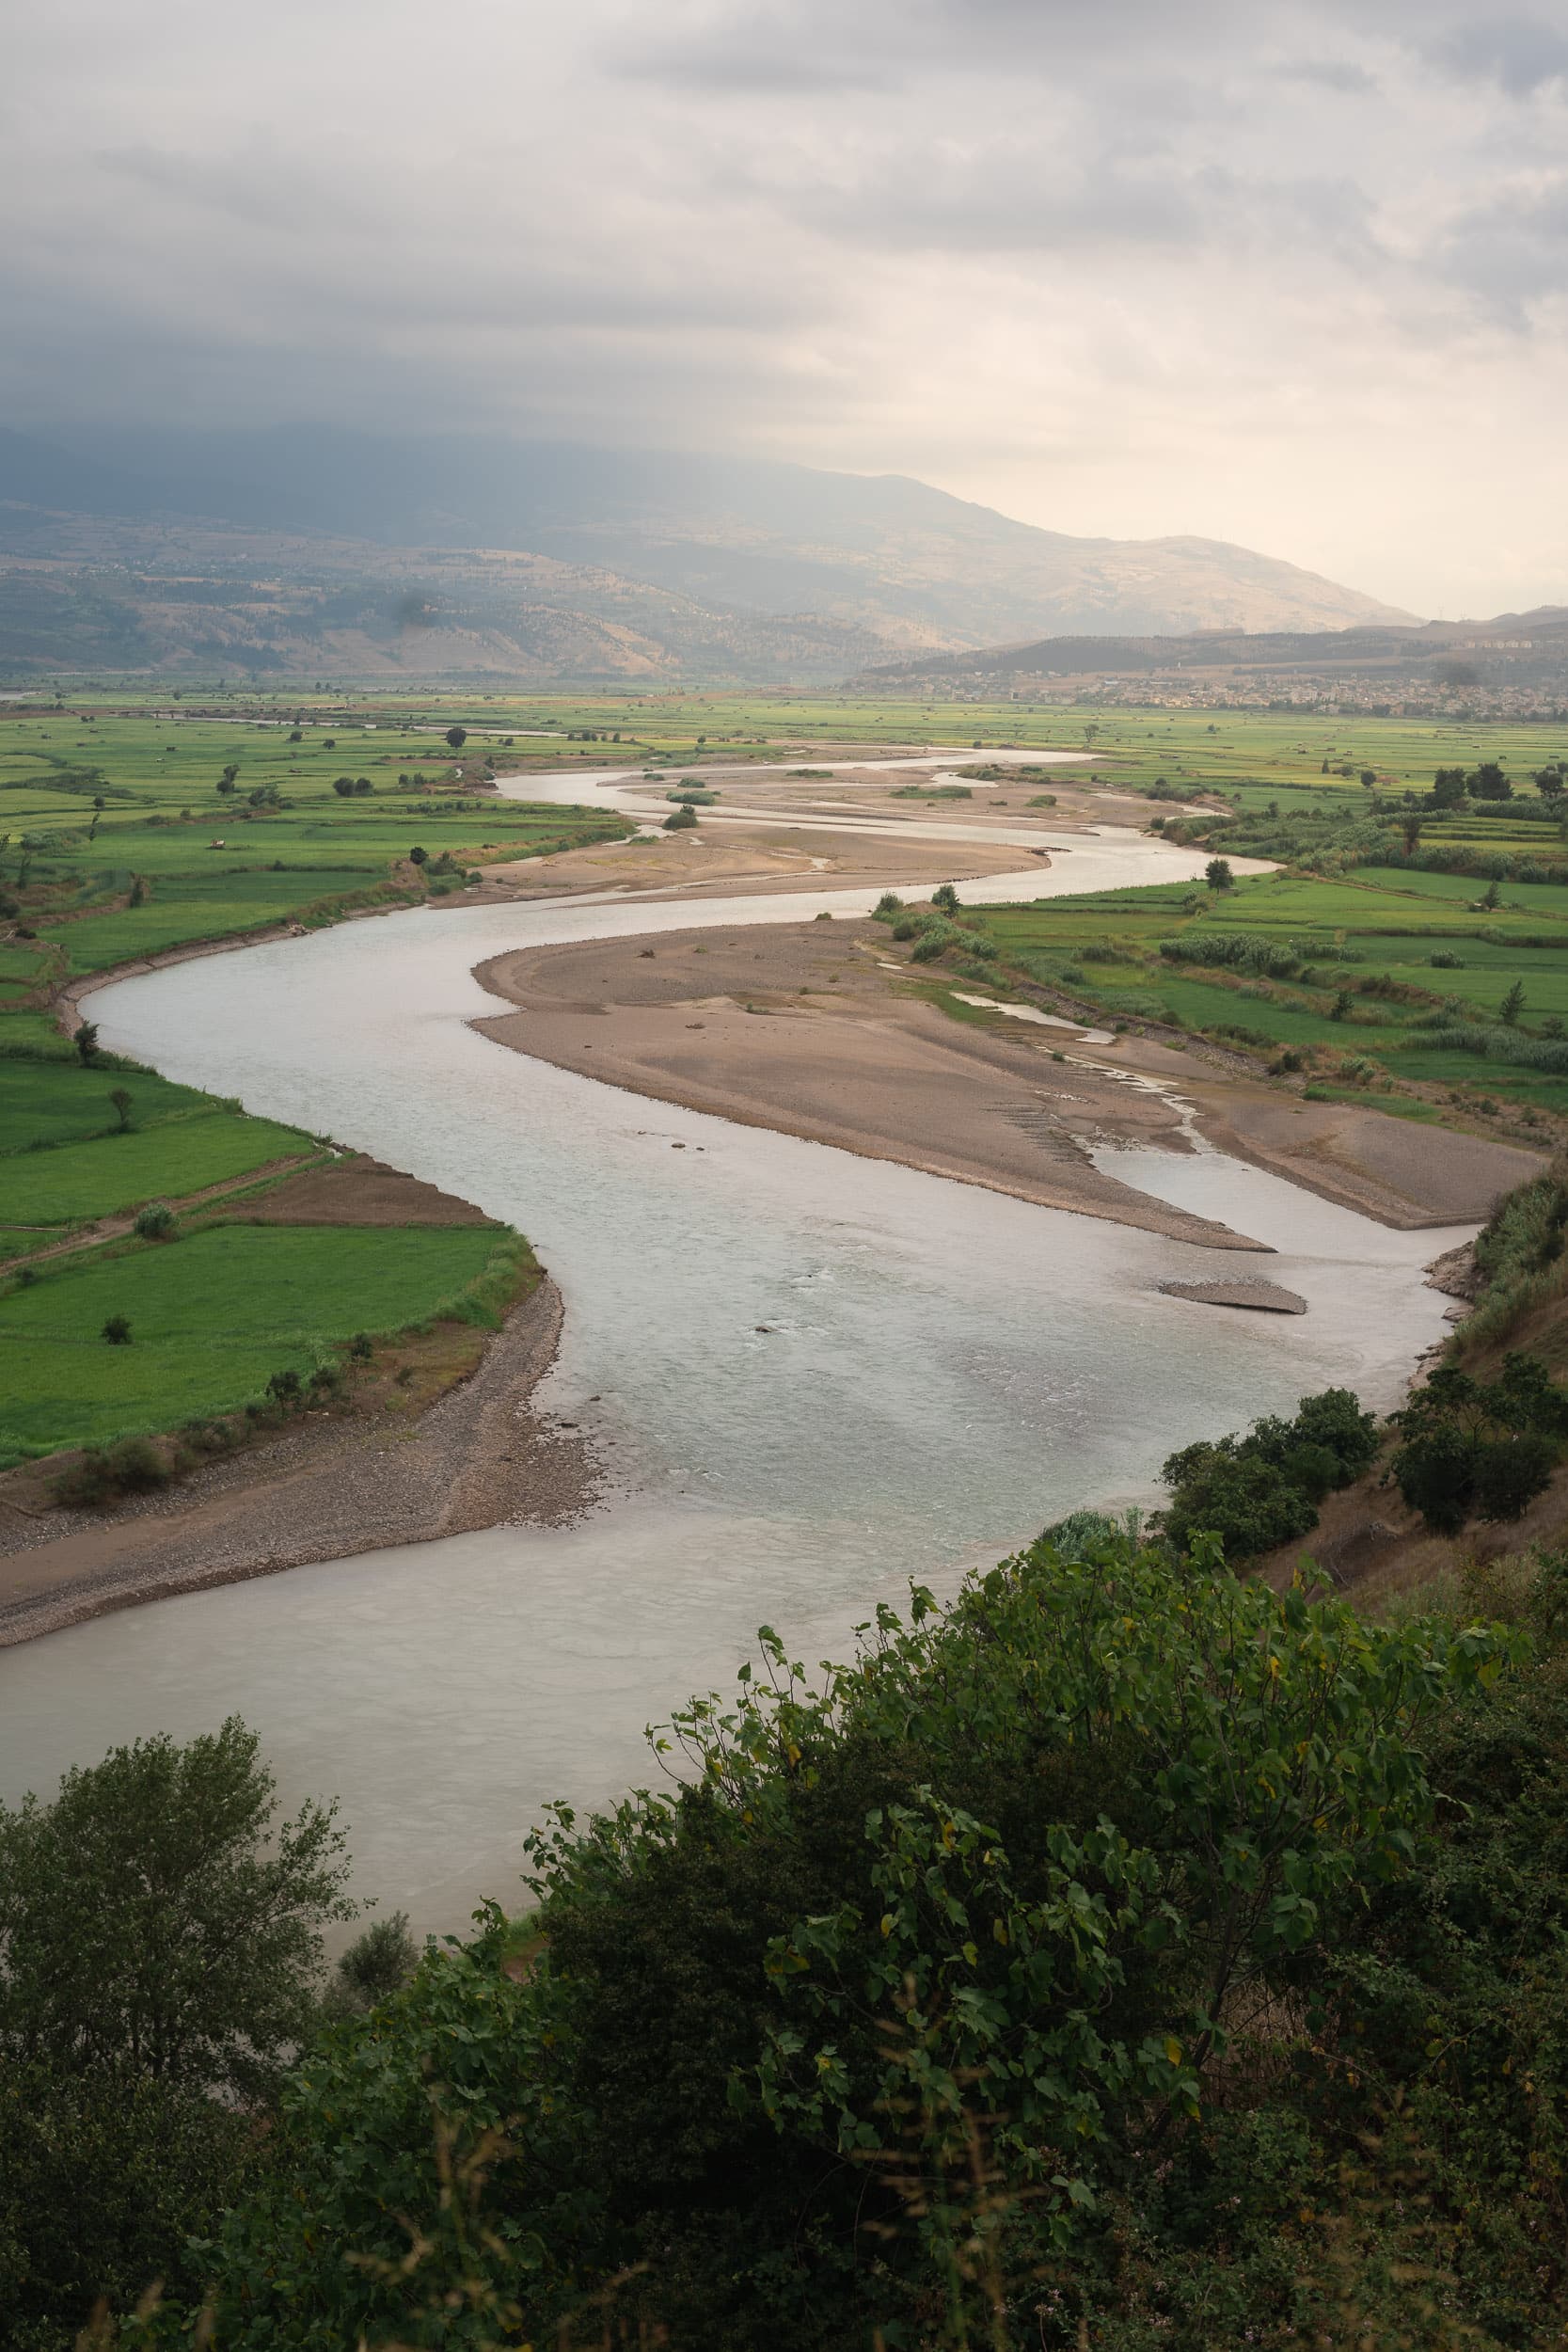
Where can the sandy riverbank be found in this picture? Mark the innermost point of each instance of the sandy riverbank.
(325, 1489)
(826, 1031)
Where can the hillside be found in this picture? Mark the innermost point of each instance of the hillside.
(721, 568)
(1455, 660)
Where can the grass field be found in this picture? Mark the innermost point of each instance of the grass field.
(69, 1182)
(65, 1101)
(1364, 986)
(115, 844)
(212, 1318)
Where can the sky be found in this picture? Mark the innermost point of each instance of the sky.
(1292, 276)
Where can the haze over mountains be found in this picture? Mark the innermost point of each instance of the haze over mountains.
(300, 548)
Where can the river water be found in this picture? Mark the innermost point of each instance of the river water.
(813, 1377)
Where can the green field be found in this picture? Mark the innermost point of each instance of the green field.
(65, 1102)
(71, 1181)
(1366, 987)
(212, 1318)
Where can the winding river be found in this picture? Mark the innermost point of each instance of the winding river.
(813, 1376)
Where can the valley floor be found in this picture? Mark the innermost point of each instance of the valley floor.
(828, 1032)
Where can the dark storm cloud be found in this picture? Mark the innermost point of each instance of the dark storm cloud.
(1520, 54)
(1188, 266)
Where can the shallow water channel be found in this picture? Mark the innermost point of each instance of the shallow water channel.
(813, 1376)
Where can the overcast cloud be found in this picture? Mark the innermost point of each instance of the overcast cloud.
(1293, 275)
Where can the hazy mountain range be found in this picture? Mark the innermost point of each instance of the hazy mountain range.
(305, 550)
(1522, 650)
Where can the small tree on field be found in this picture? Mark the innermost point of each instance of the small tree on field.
(85, 1037)
(1513, 1003)
(457, 736)
(419, 857)
(1217, 874)
(117, 1331)
(120, 1098)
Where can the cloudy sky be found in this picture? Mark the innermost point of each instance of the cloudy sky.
(1292, 276)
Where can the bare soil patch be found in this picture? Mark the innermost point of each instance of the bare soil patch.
(360, 1191)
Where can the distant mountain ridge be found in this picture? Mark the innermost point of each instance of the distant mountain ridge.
(850, 562)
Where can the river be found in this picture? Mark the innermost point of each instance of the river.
(813, 1376)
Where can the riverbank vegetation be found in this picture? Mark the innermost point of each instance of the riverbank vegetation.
(1384, 989)
(134, 1207)
(1134, 1952)
(1125, 1955)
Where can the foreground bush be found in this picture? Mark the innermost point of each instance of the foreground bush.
(160, 1940)
(997, 1984)
(1262, 1489)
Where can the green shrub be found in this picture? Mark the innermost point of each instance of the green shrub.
(156, 1222)
(134, 1465)
(1262, 1489)
(975, 1900)
(1472, 1450)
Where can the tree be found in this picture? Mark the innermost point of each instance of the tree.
(99, 806)
(117, 1331)
(1470, 1448)
(457, 736)
(1551, 783)
(120, 1098)
(229, 777)
(154, 1923)
(343, 787)
(1257, 1491)
(159, 1951)
(1217, 874)
(1448, 787)
(1489, 782)
(419, 857)
(1013, 1866)
(376, 1964)
(1513, 1005)
(1412, 827)
(85, 1037)
(682, 820)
